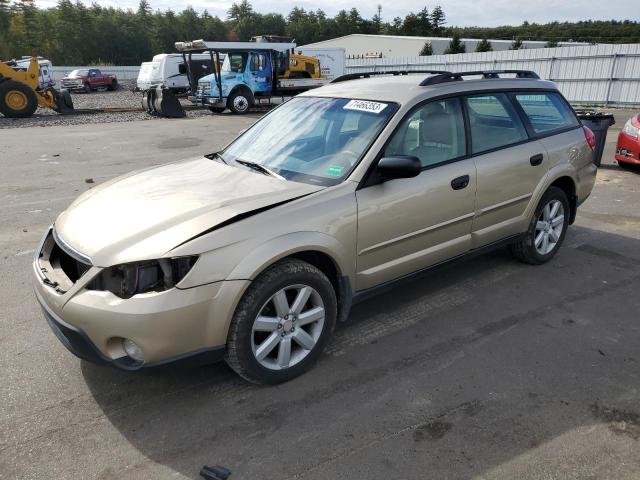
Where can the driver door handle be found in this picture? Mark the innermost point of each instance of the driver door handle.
(459, 183)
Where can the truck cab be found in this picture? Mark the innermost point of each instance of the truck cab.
(243, 77)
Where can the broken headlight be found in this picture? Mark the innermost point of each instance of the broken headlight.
(129, 279)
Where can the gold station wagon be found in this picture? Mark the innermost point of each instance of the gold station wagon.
(253, 253)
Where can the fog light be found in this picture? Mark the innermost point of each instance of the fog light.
(133, 350)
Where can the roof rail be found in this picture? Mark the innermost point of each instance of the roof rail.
(355, 76)
(453, 77)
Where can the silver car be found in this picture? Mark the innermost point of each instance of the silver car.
(253, 253)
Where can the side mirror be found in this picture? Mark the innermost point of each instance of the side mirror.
(399, 166)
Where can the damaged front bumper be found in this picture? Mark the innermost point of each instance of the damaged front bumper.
(185, 325)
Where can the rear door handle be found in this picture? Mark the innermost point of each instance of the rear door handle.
(459, 183)
(536, 159)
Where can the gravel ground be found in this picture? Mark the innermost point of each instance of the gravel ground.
(124, 97)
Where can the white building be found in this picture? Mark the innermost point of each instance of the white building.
(361, 45)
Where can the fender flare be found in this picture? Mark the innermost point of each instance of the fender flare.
(554, 174)
(245, 89)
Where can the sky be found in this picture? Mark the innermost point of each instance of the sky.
(459, 12)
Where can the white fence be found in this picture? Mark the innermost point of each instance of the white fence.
(596, 74)
(123, 73)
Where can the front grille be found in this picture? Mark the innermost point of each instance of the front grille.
(73, 264)
(204, 88)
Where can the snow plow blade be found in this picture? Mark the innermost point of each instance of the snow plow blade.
(162, 102)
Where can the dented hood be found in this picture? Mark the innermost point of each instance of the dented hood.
(145, 214)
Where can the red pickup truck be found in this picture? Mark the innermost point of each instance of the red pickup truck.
(87, 79)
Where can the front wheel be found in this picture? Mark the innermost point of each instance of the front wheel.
(282, 323)
(87, 88)
(239, 102)
(547, 229)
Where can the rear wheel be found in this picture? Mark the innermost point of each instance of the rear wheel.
(17, 100)
(239, 102)
(282, 323)
(547, 229)
(114, 85)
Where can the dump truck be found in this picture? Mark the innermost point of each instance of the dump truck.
(252, 72)
(21, 91)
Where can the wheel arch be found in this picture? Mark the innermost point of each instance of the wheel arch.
(568, 186)
(241, 87)
(320, 250)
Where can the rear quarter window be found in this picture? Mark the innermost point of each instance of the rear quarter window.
(546, 111)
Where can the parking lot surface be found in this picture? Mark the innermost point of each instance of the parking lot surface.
(487, 369)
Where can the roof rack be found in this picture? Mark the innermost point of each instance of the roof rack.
(355, 76)
(453, 77)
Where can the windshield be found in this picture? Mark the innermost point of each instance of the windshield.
(79, 73)
(312, 140)
(234, 62)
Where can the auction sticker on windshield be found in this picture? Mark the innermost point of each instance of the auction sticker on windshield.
(365, 106)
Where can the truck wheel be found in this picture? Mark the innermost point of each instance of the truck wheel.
(113, 86)
(87, 88)
(239, 102)
(282, 323)
(217, 109)
(17, 100)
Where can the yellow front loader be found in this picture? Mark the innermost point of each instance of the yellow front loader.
(20, 92)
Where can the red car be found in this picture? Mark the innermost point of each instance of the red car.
(628, 148)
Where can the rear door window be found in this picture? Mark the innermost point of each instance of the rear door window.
(494, 122)
(546, 111)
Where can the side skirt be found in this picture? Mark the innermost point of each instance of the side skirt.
(383, 287)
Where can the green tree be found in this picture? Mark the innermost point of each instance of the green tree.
(438, 20)
(516, 44)
(427, 50)
(456, 45)
(551, 44)
(484, 45)
(242, 20)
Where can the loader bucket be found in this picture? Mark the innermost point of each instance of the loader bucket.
(167, 105)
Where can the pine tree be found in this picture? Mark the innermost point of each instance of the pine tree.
(438, 19)
(517, 44)
(484, 45)
(427, 50)
(456, 45)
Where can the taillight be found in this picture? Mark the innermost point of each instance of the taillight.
(590, 136)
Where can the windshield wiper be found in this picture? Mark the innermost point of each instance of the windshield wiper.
(211, 156)
(259, 168)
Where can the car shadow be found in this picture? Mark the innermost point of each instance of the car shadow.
(457, 373)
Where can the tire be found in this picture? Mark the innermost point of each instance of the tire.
(17, 100)
(217, 109)
(113, 86)
(532, 249)
(248, 340)
(239, 102)
(66, 96)
(87, 88)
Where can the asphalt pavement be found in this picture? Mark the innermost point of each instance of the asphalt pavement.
(488, 369)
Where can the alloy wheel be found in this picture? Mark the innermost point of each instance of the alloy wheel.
(549, 227)
(287, 327)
